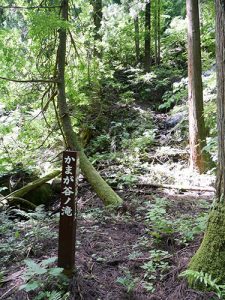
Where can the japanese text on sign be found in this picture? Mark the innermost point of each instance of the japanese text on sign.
(68, 184)
(67, 222)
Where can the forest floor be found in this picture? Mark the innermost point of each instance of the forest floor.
(138, 251)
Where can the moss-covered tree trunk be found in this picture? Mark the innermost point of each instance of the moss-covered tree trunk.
(210, 257)
(103, 190)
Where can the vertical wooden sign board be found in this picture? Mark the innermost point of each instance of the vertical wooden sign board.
(67, 223)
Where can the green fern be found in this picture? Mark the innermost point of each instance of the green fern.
(40, 275)
(197, 278)
(54, 295)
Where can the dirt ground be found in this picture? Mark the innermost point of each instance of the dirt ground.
(106, 243)
(113, 246)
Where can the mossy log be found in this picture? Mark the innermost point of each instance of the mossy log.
(102, 189)
(210, 257)
(21, 201)
(30, 186)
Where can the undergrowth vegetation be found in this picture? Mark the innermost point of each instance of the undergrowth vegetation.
(133, 126)
(24, 235)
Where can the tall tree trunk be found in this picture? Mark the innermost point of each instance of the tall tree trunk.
(97, 16)
(103, 190)
(220, 57)
(137, 39)
(159, 33)
(157, 12)
(197, 132)
(210, 257)
(156, 30)
(147, 58)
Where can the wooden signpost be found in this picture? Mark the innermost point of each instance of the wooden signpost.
(68, 212)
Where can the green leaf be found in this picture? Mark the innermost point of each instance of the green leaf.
(34, 267)
(28, 287)
(48, 261)
(55, 271)
(55, 296)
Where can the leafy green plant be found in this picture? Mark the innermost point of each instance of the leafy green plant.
(1, 277)
(39, 276)
(134, 254)
(127, 281)
(155, 268)
(34, 230)
(204, 281)
(188, 227)
(127, 98)
(184, 228)
(127, 179)
(156, 217)
(142, 142)
(177, 95)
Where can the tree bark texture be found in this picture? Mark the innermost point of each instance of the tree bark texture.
(159, 33)
(197, 132)
(156, 30)
(210, 257)
(147, 58)
(137, 39)
(220, 57)
(103, 190)
(97, 16)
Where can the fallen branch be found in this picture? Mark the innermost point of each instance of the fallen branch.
(31, 186)
(8, 292)
(21, 201)
(177, 187)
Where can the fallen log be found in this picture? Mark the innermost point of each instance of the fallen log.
(17, 200)
(177, 187)
(29, 187)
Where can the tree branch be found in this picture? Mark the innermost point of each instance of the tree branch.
(31, 80)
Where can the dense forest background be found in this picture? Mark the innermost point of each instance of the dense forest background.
(109, 78)
(95, 83)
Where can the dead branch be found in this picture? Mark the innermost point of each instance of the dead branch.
(177, 187)
(73, 43)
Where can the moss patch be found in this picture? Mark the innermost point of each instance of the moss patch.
(41, 195)
(210, 257)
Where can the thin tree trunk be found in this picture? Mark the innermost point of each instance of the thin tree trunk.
(210, 257)
(147, 62)
(156, 31)
(97, 16)
(197, 132)
(137, 39)
(103, 190)
(159, 33)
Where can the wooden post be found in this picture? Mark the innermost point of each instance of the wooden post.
(68, 208)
